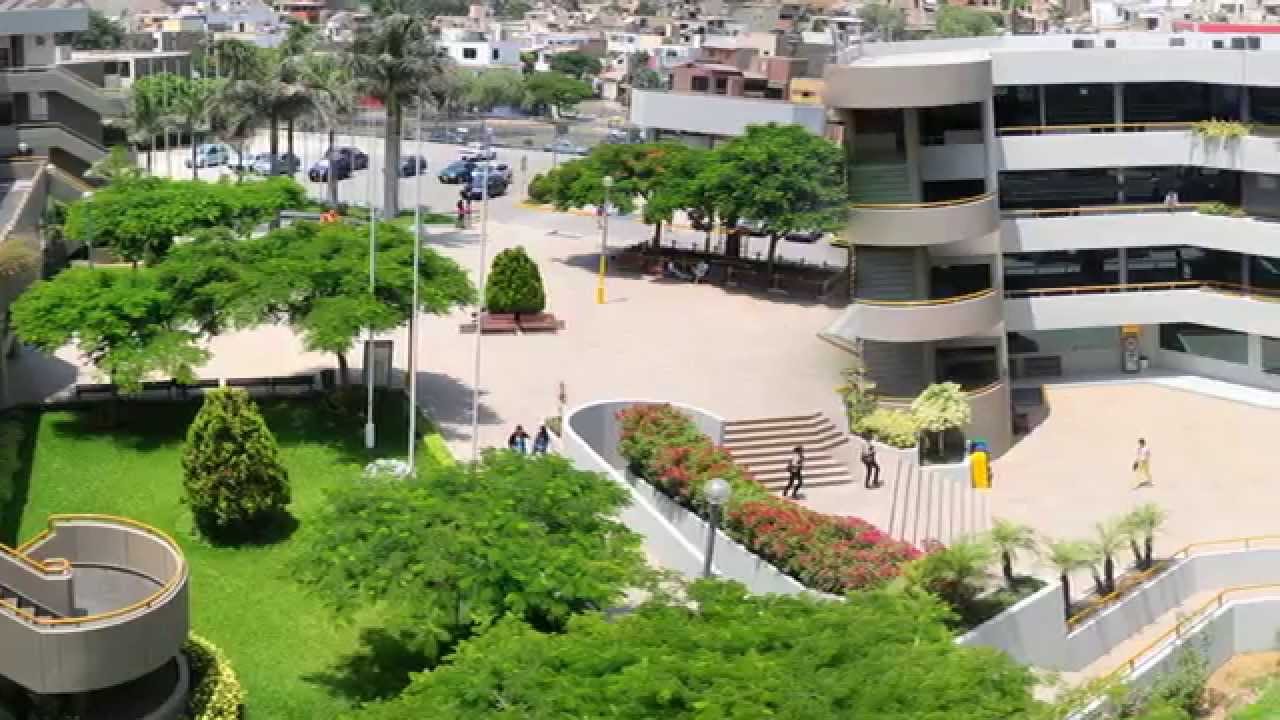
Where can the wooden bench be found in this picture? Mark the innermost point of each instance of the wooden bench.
(540, 322)
(499, 323)
(305, 383)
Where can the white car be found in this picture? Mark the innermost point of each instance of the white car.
(211, 155)
(479, 151)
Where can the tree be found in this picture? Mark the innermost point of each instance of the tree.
(1011, 9)
(231, 469)
(316, 278)
(941, 407)
(553, 93)
(784, 177)
(1109, 538)
(885, 21)
(393, 61)
(462, 546)
(575, 64)
(195, 103)
(514, 284)
(647, 79)
(726, 653)
(495, 88)
(121, 322)
(146, 115)
(1141, 525)
(333, 100)
(116, 166)
(270, 95)
(955, 574)
(1067, 556)
(1009, 539)
(644, 7)
(955, 21)
(102, 34)
(238, 60)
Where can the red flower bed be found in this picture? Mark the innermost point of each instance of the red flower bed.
(825, 552)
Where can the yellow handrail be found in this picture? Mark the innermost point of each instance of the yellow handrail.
(1140, 207)
(1180, 553)
(925, 303)
(920, 206)
(1093, 126)
(1228, 288)
(167, 587)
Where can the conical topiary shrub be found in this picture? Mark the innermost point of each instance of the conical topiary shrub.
(234, 480)
(514, 284)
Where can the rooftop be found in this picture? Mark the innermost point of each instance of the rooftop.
(11, 5)
(967, 49)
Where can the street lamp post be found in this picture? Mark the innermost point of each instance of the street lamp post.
(86, 196)
(718, 491)
(370, 432)
(484, 167)
(607, 182)
(413, 312)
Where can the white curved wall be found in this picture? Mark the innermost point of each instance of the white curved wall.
(925, 80)
(916, 226)
(1205, 307)
(919, 323)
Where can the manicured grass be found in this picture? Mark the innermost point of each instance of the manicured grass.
(282, 640)
(1266, 707)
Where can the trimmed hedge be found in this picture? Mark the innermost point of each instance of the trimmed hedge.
(216, 694)
(829, 553)
(514, 284)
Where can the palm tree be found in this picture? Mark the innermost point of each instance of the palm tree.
(117, 165)
(1142, 523)
(1010, 538)
(1111, 536)
(333, 99)
(267, 98)
(194, 103)
(956, 573)
(394, 61)
(1067, 556)
(292, 53)
(146, 118)
(237, 60)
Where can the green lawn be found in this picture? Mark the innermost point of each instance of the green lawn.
(283, 641)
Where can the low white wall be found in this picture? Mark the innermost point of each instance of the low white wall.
(674, 537)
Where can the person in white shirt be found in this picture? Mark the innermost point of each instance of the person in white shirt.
(1142, 465)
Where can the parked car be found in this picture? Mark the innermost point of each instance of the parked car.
(497, 186)
(412, 165)
(211, 155)
(805, 236)
(355, 157)
(458, 171)
(319, 172)
(479, 151)
(501, 170)
(286, 164)
(564, 147)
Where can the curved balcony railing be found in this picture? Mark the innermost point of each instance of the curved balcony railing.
(919, 224)
(1227, 288)
(115, 610)
(921, 320)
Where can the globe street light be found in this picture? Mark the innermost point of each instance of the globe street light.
(607, 182)
(718, 492)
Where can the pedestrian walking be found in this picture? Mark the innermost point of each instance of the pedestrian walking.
(462, 214)
(518, 441)
(541, 441)
(795, 473)
(1142, 465)
(872, 465)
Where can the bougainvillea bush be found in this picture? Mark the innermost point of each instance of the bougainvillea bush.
(825, 552)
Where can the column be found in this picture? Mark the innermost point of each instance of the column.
(1246, 271)
(989, 141)
(1044, 114)
(1255, 352)
(911, 139)
(1117, 95)
(1244, 104)
(1124, 265)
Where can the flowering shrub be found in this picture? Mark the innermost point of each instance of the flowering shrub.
(825, 552)
(217, 694)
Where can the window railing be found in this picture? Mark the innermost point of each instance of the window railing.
(1125, 209)
(933, 302)
(1154, 126)
(918, 206)
(1220, 286)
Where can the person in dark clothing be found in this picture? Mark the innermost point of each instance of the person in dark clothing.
(518, 441)
(871, 464)
(541, 441)
(795, 473)
(462, 213)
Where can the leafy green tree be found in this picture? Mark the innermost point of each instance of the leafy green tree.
(1009, 539)
(1141, 525)
(575, 64)
(462, 546)
(235, 59)
(553, 93)
(394, 61)
(151, 109)
(644, 7)
(955, 21)
(886, 21)
(495, 88)
(102, 34)
(138, 219)
(195, 103)
(514, 284)
(725, 653)
(118, 165)
(271, 95)
(646, 79)
(1067, 557)
(121, 322)
(938, 408)
(316, 278)
(956, 574)
(784, 177)
(231, 469)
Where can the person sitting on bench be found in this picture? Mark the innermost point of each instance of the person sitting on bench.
(700, 271)
(674, 271)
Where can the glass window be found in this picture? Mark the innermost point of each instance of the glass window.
(1179, 102)
(6, 111)
(1205, 341)
(468, 53)
(1041, 189)
(1270, 355)
(1017, 106)
(1075, 268)
(951, 124)
(971, 367)
(1181, 263)
(1264, 104)
(1079, 104)
(494, 54)
(1063, 341)
(947, 281)
(1264, 272)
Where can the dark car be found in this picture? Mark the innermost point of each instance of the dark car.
(412, 165)
(497, 186)
(355, 157)
(458, 171)
(805, 236)
(319, 172)
(286, 164)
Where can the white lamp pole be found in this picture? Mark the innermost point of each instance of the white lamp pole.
(717, 493)
(370, 437)
(607, 182)
(484, 236)
(413, 312)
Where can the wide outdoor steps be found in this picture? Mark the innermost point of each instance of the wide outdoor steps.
(764, 445)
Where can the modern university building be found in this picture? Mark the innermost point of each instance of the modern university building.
(1035, 208)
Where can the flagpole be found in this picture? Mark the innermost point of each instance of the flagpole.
(369, 430)
(413, 310)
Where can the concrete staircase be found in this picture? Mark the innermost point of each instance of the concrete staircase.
(763, 445)
(12, 598)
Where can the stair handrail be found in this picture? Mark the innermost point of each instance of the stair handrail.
(65, 128)
(166, 588)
